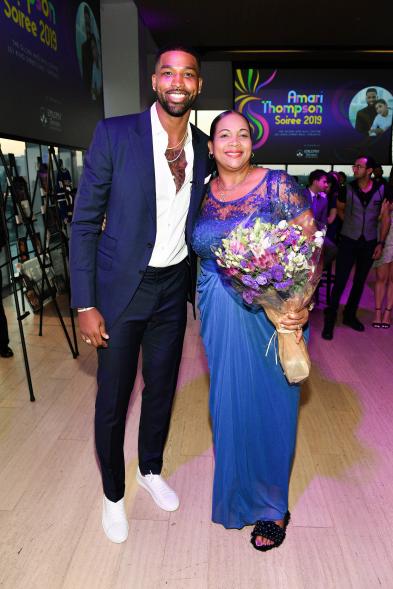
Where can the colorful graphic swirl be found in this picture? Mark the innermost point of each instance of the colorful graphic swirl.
(248, 91)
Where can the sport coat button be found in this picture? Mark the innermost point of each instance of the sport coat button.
(149, 245)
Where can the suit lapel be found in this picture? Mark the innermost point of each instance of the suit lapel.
(141, 144)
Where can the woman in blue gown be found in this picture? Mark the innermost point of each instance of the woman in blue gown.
(253, 408)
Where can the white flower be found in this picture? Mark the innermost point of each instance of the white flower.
(282, 224)
(299, 260)
(318, 238)
(257, 250)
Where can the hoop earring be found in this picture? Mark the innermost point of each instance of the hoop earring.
(211, 156)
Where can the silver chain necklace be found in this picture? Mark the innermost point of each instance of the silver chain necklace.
(222, 188)
(180, 152)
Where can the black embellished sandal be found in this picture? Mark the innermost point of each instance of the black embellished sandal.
(377, 324)
(385, 324)
(270, 531)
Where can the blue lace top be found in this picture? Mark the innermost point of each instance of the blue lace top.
(277, 196)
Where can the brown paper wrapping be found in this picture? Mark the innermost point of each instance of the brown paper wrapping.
(294, 358)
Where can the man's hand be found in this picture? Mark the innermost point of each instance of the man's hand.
(294, 321)
(92, 328)
(378, 251)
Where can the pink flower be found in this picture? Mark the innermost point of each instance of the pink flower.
(257, 250)
(237, 247)
(231, 271)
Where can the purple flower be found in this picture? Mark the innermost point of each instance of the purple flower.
(277, 272)
(249, 295)
(304, 249)
(262, 279)
(291, 240)
(250, 281)
(284, 285)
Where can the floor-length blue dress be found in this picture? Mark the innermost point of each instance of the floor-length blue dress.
(253, 408)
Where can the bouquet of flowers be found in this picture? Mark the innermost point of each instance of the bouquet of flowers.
(277, 267)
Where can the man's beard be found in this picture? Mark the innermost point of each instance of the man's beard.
(176, 110)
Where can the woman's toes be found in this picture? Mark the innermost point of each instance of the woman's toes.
(261, 541)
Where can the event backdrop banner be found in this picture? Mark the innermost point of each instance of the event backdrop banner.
(50, 70)
(316, 116)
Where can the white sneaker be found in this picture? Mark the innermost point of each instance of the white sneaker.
(114, 520)
(162, 494)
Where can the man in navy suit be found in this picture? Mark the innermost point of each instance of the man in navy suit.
(144, 175)
(316, 195)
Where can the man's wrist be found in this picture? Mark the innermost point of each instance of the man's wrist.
(83, 309)
(381, 242)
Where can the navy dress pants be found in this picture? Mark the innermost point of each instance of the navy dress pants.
(154, 322)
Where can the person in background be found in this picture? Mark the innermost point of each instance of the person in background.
(316, 193)
(378, 175)
(383, 290)
(361, 242)
(333, 220)
(5, 350)
(63, 177)
(342, 179)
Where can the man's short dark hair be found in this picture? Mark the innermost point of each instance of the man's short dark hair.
(370, 161)
(315, 176)
(371, 90)
(179, 47)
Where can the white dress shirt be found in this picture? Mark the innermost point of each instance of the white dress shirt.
(172, 207)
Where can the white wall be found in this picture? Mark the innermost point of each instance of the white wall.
(128, 55)
(120, 57)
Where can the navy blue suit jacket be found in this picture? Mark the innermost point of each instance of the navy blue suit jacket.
(319, 206)
(118, 182)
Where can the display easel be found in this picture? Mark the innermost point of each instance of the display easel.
(55, 233)
(26, 216)
(8, 255)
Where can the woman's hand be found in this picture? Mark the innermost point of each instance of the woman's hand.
(294, 321)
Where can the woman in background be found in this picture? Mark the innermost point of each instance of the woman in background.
(383, 290)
